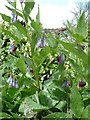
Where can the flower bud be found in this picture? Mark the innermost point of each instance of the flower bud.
(60, 59)
(12, 49)
(41, 43)
(13, 17)
(66, 83)
(81, 84)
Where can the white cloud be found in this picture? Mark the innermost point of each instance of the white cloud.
(52, 15)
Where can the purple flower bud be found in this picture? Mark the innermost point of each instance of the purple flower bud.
(60, 59)
(66, 83)
(12, 49)
(81, 84)
(13, 17)
(41, 43)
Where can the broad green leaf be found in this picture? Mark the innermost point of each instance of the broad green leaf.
(45, 99)
(76, 36)
(78, 52)
(28, 91)
(20, 28)
(21, 65)
(55, 116)
(28, 102)
(28, 8)
(5, 17)
(35, 25)
(4, 115)
(86, 112)
(75, 65)
(82, 26)
(61, 105)
(59, 94)
(76, 105)
(11, 35)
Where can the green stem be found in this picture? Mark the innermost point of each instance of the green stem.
(33, 65)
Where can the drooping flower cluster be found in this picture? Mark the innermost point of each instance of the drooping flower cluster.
(12, 82)
(81, 84)
(13, 17)
(41, 43)
(13, 49)
(60, 59)
(66, 83)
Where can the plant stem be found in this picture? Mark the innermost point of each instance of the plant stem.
(29, 39)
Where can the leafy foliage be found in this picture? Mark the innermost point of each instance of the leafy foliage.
(47, 76)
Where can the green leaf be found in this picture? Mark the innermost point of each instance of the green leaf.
(51, 41)
(12, 3)
(45, 99)
(34, 40)
(21, 65)
(39, 58)
(55, 116)
(76, 51)
(35, 25)
(4, 115)
(82, 26)
(11, 35)
(20, 28)
(28, 8)
(75, 35)
(77, 105)
(38, 16)
(5, 17)
(86, 112)
(61, 105)
(75, 65)
(31, 105)
(59, 94)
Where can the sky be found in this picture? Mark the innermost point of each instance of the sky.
(53, 13)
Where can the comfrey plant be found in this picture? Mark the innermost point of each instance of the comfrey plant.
(39, 73)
